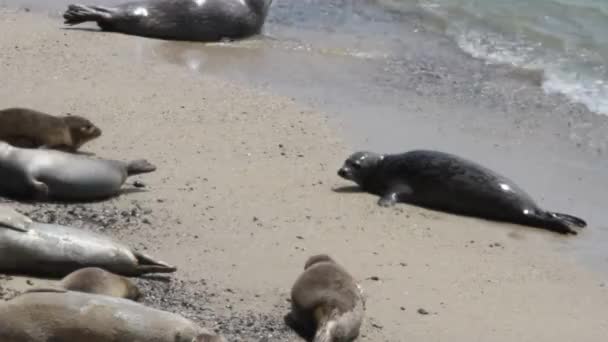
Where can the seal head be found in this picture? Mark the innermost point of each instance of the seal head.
(359, 166)
(81, 129)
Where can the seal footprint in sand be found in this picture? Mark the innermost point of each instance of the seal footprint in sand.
(193, 20)
(443, 181)
(33, 248)
(327, 304)
(47, 174)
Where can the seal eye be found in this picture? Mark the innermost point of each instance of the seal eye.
(356, 166)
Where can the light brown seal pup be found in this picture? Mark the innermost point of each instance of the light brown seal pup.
(65, 316)
(327, 303)
(442, 181)
(56, 250)
(99, 281)
(48, 174)
(24, 127)
(193, 20)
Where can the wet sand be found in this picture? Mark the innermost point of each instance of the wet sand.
(243, 195)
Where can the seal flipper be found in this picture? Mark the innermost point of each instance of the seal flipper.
(11, 219)
(139, 166)
(556, 222)
(398, 193)
(77, 14)
(149, 265)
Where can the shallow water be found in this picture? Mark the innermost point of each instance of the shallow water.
(393, 81)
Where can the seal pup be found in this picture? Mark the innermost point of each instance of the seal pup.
(327, 303)
(56, 250)
(54, 315)
(192, 20)
(48, 174)
(99, 281)
(24, 127)
(443, 181)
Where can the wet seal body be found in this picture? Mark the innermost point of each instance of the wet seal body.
(55, 250)
(47, 174)
(99, 281)
(327, 303)
(446, 182)
(191, 20)
(29, 128)
(74, 316)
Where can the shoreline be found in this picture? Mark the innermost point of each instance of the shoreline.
(259, 210)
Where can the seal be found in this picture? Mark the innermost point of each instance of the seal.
(446, 182)
(56, 250)
(48, 174)
(12, 219)
(74, 316)
(327, 304)
(29, 128)
(99, 281)
(190, 20)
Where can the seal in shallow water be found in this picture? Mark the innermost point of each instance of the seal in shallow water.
(327, 303)
(24, 127)
(55, 250)
(42, 174)
(443, 181)
(193, 20)
(55, 316)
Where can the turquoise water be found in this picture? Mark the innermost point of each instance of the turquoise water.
(565, 39)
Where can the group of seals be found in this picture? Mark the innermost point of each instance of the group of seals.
(191, 20)
(23, 127)
(59, 315)
(443, 181)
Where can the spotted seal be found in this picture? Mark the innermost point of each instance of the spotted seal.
(192, 20)
(327, 304)
(56, 315)
(48, 174)
(55, 250)
(443, 181)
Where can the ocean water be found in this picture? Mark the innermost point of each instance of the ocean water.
(566, 40)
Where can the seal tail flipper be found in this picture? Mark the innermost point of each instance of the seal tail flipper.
(139, 166)
(557, 222)
(149, 265)
(77, 14)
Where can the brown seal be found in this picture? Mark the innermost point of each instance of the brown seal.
(29, 128)
(327, 303)
(99, 281)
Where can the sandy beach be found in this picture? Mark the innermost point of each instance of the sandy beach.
(244, 194)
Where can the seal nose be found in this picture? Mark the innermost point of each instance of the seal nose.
(342, 173)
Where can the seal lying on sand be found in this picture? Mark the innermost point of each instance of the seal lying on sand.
(326, 302)
(98, 281)
(43, 174)
(55, 250)
(23, 127)
(446, 182)
(193, 20)
(74, 316)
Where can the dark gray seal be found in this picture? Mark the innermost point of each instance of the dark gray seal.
(327, 305)
(62, 316)
(191, 20)
(48, 174)
(443, 181)
(33, 248)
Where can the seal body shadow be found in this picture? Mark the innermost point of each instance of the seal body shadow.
(327, 303)
(190, 20)
(74, 316)
(446, 182)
